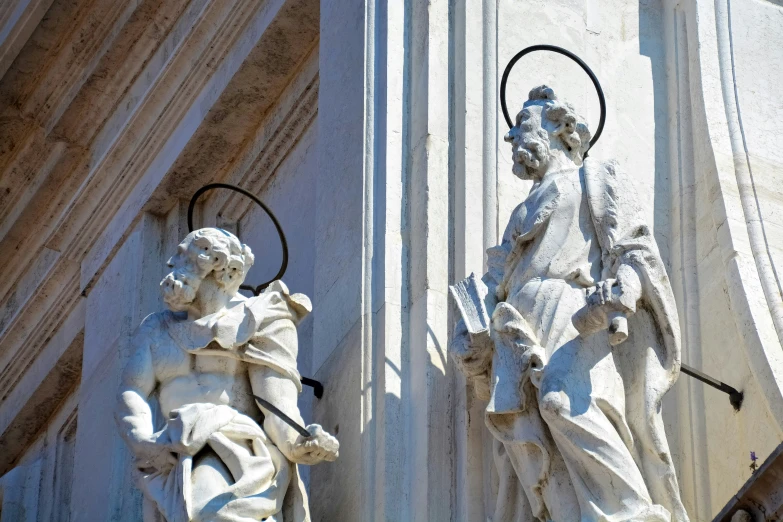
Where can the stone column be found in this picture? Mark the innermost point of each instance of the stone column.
(340, 294)
(401, 121)
(125, 293)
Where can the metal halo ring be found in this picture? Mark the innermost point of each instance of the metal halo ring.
(579, 61)
(256, 290)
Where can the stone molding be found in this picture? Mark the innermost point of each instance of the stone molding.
(18, 19)
(76, 211)
(761, 497)
(255, 166)
(37, 322)
(33, 393)
(177, 96)
(748, 272)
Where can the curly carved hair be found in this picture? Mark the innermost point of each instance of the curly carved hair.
(221, 252)
(576, 135)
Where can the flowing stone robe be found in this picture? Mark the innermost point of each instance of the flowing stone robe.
(259, 331)
(577, 422)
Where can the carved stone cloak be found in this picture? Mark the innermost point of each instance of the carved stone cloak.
(653, 332)
(625, 239)
(262, 331)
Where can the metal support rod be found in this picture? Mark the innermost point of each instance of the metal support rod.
(288, 420)
(735, 397)
(318, 388)
(283, 243)
(579, 61)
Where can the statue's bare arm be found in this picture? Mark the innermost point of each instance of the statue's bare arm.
(281, 391)
(133, 413)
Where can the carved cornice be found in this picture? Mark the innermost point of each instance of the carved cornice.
(71, 190)
(116, 88)
(94, 172)
(36, 322)
(27, 175)
(18, 19)
(269, 146)
(253, 89)
(68, 69)
(137, 55)
(26, 163)
(174, 94)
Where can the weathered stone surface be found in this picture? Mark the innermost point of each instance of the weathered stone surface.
(186, 404)
(761, 497)
(574, 339)
(373, 130)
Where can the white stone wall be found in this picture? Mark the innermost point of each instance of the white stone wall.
(722, 263)
(661, 125)
(623, 42)
(374, 131)
(290, 193)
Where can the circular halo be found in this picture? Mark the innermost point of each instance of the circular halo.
(579, 61)
(284, 265)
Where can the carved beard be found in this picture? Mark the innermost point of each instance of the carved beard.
(179, 289)
(532, 154)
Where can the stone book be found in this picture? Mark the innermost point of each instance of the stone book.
(469, 295)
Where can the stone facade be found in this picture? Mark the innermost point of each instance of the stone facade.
(373, 130)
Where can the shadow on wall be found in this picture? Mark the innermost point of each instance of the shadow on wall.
(678, 163)
(653, 46)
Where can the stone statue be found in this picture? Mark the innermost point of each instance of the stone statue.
(572, 336)
(186, 406)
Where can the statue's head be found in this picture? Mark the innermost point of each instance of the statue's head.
(210, 259)
(546, 130)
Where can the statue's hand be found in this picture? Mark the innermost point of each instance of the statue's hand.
(605, 295)
(473, 356)
(471, 351)
(619, 294)
(608, 303)
(157, 456)
(318, 447)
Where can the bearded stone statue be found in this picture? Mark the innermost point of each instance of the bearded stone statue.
(205, 451)
(573, 338)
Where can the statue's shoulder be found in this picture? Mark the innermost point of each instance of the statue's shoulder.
(154, 323)
(606, 183)
(277, 295)
(156, 319)
(605, 173)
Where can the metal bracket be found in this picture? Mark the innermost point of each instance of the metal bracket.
(735, 396)
(318, 388)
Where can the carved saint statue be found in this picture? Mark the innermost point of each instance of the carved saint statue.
(580, 337)
(205, 451)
